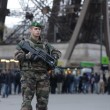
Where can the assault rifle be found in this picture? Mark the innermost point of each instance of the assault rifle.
(39, 54)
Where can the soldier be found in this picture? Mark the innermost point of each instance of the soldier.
(34, 77)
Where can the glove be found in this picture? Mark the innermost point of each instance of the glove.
(19, 55)
(55, 56)
(30, 56)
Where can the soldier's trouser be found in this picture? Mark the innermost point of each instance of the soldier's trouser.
(35, 83)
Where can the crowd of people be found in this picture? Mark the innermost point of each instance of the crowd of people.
(96, 83)
(60, 83)
(10, 82)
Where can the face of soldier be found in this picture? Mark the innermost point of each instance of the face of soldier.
(35, 31)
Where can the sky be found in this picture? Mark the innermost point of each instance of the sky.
(15, 5)
(10, 21)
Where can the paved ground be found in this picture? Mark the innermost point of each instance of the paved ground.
(62, 102)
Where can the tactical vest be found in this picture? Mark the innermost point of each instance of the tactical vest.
(39, 65)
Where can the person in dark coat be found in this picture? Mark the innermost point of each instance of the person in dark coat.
(53, 83)
(17, 83)
(108, 85)
(6, 81)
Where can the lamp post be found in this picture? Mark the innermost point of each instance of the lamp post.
(101, 32)
(101, 38)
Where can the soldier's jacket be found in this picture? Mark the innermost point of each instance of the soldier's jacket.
(39, 65)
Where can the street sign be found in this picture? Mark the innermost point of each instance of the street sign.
(104, 63)
(105, 60)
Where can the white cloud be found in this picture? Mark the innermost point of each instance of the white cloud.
(19, 6)
(13, 4)
(11, 21)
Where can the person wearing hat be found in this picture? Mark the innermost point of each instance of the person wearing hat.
(34, 77)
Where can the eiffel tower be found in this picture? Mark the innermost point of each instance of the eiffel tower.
(92, 27)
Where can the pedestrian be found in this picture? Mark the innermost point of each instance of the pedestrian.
(108, 85)
(34, 77)
(6, 82)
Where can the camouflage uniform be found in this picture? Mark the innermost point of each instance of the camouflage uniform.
(34, 78)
